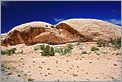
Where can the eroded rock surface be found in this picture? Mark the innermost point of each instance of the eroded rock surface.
(66, 31)
(91, 28)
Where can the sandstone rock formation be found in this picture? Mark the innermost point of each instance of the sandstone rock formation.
(37, 32)
(91, 28)
(25, 33)
(65, 31)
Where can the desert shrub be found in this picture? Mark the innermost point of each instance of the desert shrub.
(116, 42)
(102, 43)
(47, 51)
(61, 51)
(56, 49)
(42, 47)
(69, 47)
(12, 51)
(94, 49)
(65, 50)
(3, 52)
(52, 52)
(3, 68)
(8, 52)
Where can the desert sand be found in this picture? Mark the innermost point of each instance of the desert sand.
(29, 65)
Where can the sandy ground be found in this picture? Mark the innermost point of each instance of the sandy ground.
(104, 65)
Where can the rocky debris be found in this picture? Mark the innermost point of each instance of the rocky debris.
(66, 31)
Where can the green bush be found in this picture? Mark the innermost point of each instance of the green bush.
(94, 49)
(12, 51)
(56, 49)
(3, 68)
(102, 43)
(65, 50)
(69, 47)
(116, 42)
(47, 51)
(52, 52)
(8, 52)
(3, 52)
(42, 47)
(60, 51)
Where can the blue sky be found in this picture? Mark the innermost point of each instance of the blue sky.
(15, 12)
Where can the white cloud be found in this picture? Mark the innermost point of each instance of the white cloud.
(114, 21)
(58, 20)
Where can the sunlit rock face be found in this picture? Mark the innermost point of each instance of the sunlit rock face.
(26, 33)
(66, 31)
(91, 28)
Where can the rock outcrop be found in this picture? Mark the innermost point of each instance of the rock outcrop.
(37, 32)
(91, 29)
(25, 33)
(66, 31)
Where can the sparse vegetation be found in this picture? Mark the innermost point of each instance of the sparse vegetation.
(47, 50)
(8, 52)
(70, 46)
(65, 50)
(102, 43)
(61, 51)
(116, 42)
(3, 69)
(94, 49)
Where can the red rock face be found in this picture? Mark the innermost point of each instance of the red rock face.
(74, 33)
(66, 31)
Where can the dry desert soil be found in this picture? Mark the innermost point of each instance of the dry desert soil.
(81, 64)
